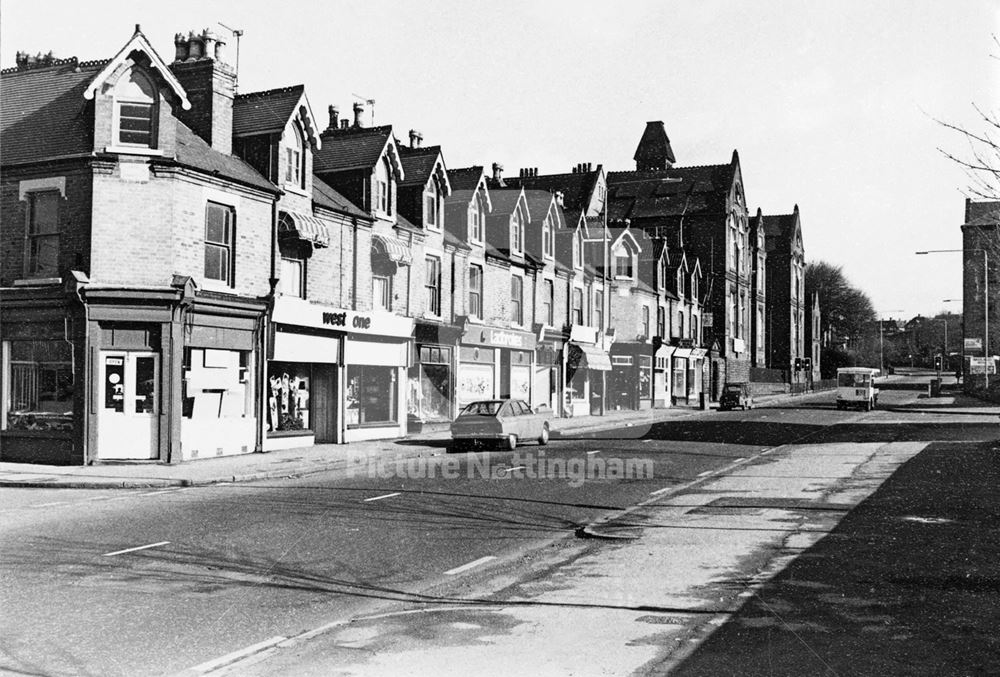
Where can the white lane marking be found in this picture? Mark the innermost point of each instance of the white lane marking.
(97, 498)
(46, 505)
(221, 661)
(740, 459)
(161, 491)
(660, 491)
(706, 473)
(379, 498)
(595, 451)
(471, 565)
(141, 547)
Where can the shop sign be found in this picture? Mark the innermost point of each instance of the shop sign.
(706, 321)
(500, 338)
(982, 365)
(739, 345)
(299, 312)
(581, 333)
(973, 344)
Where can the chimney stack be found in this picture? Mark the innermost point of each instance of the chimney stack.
(560, 198)
(334, 117)
(359, 110)
(345, 124)
(210, 84)
(498, 173)
(416, 139)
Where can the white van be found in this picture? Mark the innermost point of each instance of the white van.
(856, 388)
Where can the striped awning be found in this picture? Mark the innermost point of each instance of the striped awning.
(591, 357)
(392, 248)
(305, 227)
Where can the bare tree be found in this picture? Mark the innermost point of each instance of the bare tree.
(981, 160)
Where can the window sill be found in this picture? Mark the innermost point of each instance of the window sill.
(134, 150)
(292, 188)
(216, 285)
(36, 281)
(305, 432)
(54, 434)
(373, 424)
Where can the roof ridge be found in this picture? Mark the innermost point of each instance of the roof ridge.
(276, 90)
(54, 63)
(344, 131)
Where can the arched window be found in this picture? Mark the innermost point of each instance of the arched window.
(383, 187)
(477, 218)
(517, 231)
(135, 110)
(578, 252)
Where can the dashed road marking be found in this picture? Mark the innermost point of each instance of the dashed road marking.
(660, 491)
(46, 505)
(141, 547)
(595, 451)
(471, 565)
(379, 498)
(706, 473)
(229, 658)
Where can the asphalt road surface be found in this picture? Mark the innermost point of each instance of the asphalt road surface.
(156, 582)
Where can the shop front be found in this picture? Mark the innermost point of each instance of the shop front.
(547, 387)
(662, 376)
(632, 376)
(337, 375)
(587, 364)
(680, 389)
(697, 366)
(495, 363)
(431, 392)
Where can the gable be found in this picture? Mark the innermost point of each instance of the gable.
(138, 44)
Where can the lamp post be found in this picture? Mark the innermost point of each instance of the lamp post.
(986, 299)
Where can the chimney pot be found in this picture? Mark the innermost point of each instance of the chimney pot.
(195, 47)
(498, 172)
(359, 109)
(415, 138)
(345, 123)
(560, 198)
(334, 117)
(180, 47)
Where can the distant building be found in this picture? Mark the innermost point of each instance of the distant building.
(981, 257)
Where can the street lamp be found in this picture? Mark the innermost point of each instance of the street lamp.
(986, 298)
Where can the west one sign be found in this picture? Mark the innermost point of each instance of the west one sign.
(298, 312)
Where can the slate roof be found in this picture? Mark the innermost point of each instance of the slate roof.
(265, 112)
(465, 178)
(326, 196)
(779, 231)
(418, 164)
(982, 213)
(539, 202)
(575, 187)
(352, 148)
(659, 194)
(504, 201)
(44, 113)
(194, 151)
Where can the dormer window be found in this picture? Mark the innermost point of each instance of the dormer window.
(383, 187)
(578, 250)
(295, 159)
(477, 217)
(431, 205)
(694, 287)
(680, 282)
(663, 273)
(547, 235)
(623, 264)
(135, 110)
(517, 232)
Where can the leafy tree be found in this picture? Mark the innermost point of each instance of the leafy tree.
(846, 311)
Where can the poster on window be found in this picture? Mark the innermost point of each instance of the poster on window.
(475, 382)
(288, 396)
(520, 383)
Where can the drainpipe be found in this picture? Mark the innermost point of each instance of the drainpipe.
(354, 266)
(262, 328)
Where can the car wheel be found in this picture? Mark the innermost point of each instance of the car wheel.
(543, 439)
(510, 444)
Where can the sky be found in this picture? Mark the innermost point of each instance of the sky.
(831, 105)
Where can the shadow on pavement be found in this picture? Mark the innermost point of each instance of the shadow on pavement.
(907, 584)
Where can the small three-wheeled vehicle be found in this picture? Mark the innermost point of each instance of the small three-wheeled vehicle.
(856, 387)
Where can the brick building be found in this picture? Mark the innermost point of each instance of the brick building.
(980, 309)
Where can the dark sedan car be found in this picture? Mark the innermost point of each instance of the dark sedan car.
(736, 395)
(509, 422)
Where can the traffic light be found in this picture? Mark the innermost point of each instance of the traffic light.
(798, 364)
(937, 363)
(807, 363)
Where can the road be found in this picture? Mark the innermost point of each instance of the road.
(159, 582)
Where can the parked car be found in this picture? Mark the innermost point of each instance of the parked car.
(735, 395)
(508, 422)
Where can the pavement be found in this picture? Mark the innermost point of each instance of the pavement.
(300, 461)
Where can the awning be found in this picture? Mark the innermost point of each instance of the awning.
(698, 352)
(395, 249)
(682, 353)
(592, 357)
(305, 227)
(664, 351)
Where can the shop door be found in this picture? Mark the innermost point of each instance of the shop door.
(128, 405)
(324, 403)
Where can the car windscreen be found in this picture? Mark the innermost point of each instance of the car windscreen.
(481, 409)
(853, 380)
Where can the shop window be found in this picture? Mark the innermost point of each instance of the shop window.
(288, 396)
(645, 376)
(371, 395)
(430, 384)
(476, 291)
(135, 110)
(576, 384)
(216, 384)
(42, 256)
(382, 292)
(516, 300)
(38, 385)
(219, 238)
(293, 277)
(432, 284)
(577, 306)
